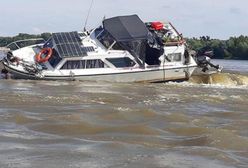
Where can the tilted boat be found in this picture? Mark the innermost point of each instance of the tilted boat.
(122, 49)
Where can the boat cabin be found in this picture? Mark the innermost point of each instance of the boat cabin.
(123, 48)
(123, 41)
(69, 52)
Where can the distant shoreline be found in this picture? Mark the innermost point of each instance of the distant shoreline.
(235, 48)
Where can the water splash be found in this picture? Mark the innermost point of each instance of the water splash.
(225, 79)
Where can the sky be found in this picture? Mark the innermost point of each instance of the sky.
(193, 18)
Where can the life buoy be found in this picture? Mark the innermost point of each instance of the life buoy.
(46, 52)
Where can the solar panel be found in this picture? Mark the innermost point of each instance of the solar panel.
(68, 44)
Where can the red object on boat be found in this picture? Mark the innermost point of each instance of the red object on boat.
(157, 25)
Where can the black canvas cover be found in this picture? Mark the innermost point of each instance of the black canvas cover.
(126, 28)
(130, 33)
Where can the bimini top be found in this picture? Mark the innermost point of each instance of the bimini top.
(68, 44)
(126, 28)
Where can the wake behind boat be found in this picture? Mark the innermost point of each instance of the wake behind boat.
(122, 49)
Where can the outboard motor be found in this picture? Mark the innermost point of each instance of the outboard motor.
(203, 61)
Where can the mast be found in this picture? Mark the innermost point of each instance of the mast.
(86, 21)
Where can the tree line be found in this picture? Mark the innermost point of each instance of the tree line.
(233, 48)
(4, 41)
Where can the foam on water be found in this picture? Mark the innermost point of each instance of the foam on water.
(171, 160)
(225, 80)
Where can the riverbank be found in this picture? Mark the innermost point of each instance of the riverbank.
(235, 48)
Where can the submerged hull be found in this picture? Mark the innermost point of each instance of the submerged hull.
(151, 75)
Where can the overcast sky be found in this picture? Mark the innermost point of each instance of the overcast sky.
(193, 18)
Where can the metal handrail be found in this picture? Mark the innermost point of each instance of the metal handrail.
(18, 41)
(4, 49)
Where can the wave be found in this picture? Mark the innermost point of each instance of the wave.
(224, 79)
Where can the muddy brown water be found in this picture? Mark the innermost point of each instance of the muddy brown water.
(60, 124)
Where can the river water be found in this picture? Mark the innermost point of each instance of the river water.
(59, 124)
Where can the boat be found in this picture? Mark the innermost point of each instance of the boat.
(122, 49)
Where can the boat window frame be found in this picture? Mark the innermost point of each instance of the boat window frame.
(86, 64)
(171, 57)
(115, 64)
(57, 58)
(99, 34)
(111, 44)
(19, 42)
(48, 41)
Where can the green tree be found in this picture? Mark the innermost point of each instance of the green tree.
(233, 48)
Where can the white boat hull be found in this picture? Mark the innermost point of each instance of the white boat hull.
(144, 75)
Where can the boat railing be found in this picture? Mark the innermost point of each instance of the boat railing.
(24, 43)
(4, 49)
(177, 42)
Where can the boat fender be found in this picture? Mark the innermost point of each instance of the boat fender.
(44, 55)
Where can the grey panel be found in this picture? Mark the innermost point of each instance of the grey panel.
(68, 44)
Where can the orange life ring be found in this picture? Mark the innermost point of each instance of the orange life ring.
(47, 52)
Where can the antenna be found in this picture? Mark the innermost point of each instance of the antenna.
(86, 21)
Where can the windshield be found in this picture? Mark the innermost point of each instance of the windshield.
(54, 59)
(48, 44)
(105, 38)
(24, 43)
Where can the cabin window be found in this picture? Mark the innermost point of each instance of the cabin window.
(82, 64)
(121, 62)
(94, 63)
(176, 57)
(74, 64)
(117, 46)
(48, 44)
(54, 59)
(98, 31)
(13, 46)
(106, 39)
